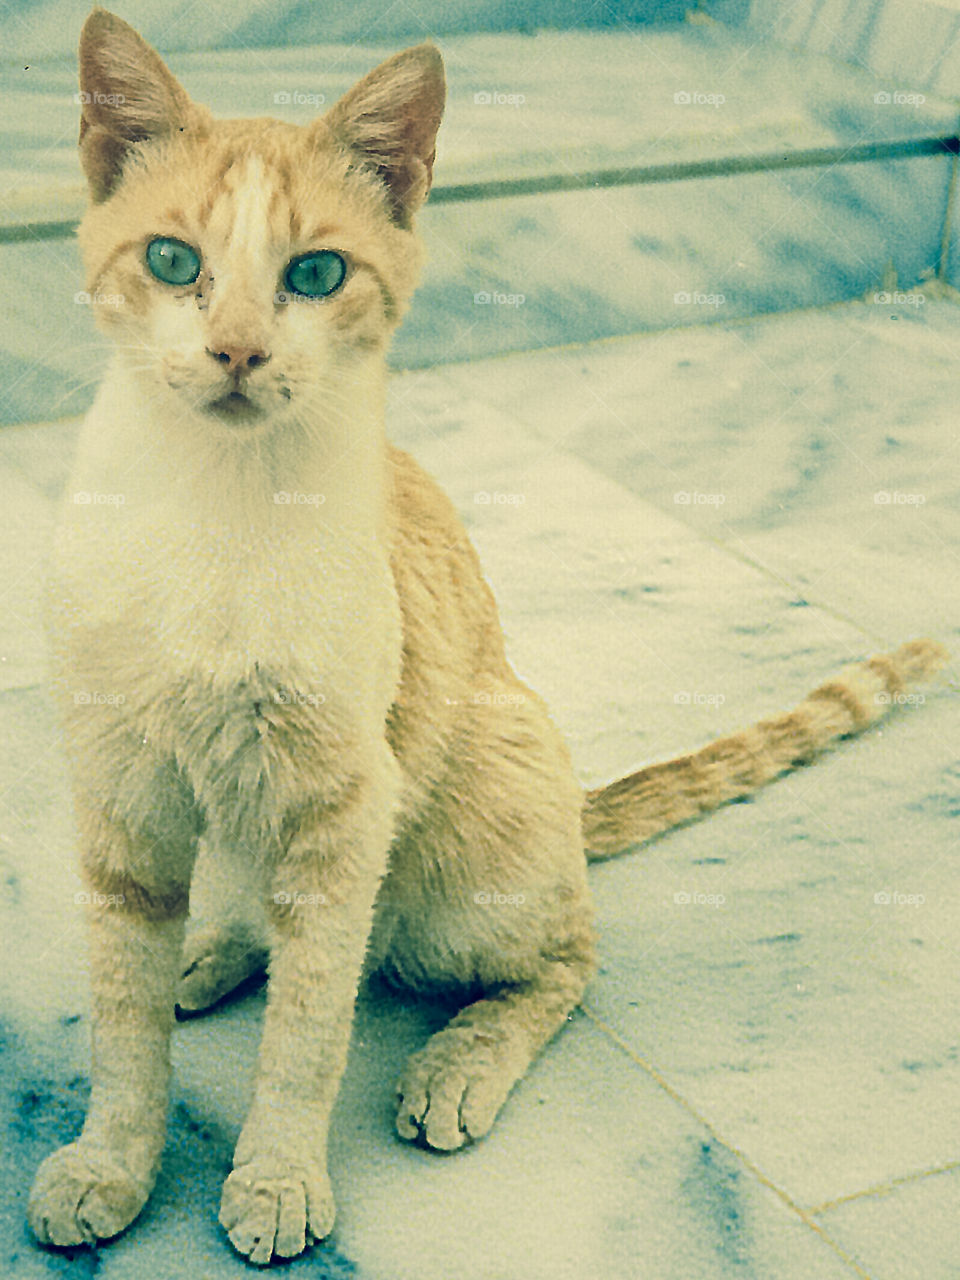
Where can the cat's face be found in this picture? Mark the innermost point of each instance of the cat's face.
(251, 270)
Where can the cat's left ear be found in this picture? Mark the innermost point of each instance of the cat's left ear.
(389, 120)
(127, 96)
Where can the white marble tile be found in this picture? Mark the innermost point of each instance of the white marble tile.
(593, 1169)
(913, 44)
(907, 1233)
(755, 960)
(783, 433)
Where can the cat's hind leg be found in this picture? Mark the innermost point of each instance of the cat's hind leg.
(489, 891)
(226, 941)
(452, 1090)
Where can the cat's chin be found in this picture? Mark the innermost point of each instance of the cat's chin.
(237, 409)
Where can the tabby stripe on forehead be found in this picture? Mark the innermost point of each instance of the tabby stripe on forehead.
(216, 187)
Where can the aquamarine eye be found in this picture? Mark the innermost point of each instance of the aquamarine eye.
(172, 261)
(315, 275)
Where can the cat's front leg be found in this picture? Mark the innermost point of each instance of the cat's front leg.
(137, 903)
(278, 1198)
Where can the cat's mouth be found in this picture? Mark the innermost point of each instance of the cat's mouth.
(235, 407)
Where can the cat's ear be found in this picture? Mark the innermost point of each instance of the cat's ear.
(127, 96)
(389, 120)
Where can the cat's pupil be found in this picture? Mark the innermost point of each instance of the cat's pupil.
(316, 275)
(173, 261)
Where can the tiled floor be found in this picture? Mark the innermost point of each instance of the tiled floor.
(764, 1079)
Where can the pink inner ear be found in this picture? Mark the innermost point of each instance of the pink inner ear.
(128, 88)
(390, 119)
(129, 95)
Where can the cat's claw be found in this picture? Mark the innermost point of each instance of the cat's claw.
(451, 1091)
(81, 1196)
(272, 1208)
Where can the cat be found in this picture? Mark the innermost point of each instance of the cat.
(310, 696)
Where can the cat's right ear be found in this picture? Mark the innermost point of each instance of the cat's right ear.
(127, 96)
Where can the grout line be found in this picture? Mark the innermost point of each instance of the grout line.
(592, 179)
(883, 1188)
(682, 170)
(805, 1215)
(948, 217)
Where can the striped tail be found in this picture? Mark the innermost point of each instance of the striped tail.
(662, 796)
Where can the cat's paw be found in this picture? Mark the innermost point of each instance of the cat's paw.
(81, 1196)
(216, 959)
(273, 1208)
(451, 1091)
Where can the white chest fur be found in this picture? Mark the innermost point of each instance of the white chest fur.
(192, 570)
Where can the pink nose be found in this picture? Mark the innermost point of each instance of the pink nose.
(239, 359)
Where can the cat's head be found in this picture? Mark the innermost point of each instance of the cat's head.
(250, 268)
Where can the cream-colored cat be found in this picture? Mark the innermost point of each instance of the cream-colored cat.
(305, 660)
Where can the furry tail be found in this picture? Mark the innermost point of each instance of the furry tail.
(661, 796)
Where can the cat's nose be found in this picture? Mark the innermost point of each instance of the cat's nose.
(239, 359)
